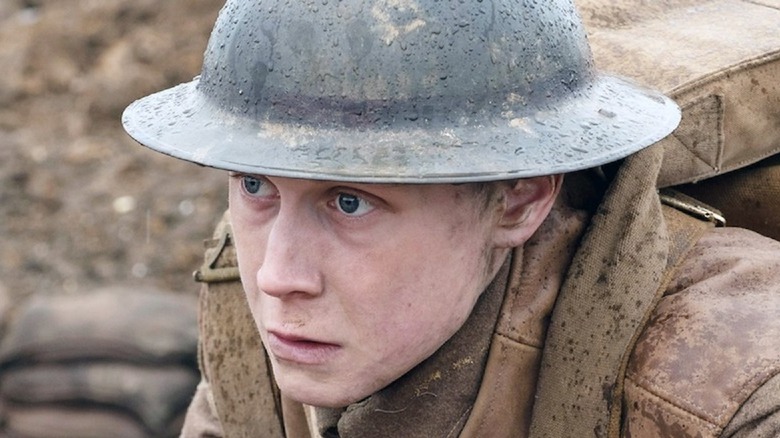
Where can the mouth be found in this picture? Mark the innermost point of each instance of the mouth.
(299, 350)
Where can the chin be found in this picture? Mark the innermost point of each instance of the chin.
(317, 393)
(327, 399)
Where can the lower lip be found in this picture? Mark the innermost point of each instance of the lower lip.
(299, 351)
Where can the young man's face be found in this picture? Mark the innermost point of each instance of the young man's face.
(352, 285)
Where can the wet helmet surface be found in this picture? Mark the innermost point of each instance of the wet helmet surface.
(411, 91)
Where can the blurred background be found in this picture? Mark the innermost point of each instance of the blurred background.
(81, 204)
(90, 220)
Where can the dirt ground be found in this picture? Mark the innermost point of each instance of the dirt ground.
(81, 204)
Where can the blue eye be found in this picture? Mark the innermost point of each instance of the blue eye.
(252, 185)
(353, 205)
(255, 186)
(348, 203)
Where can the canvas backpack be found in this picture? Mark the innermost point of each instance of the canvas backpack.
(720, 61)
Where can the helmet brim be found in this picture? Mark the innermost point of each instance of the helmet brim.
(609, 120)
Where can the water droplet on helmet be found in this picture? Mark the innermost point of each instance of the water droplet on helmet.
(606, 113)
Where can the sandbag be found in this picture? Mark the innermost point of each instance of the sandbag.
(114, 362)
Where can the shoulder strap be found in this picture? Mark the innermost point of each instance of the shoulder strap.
(619, 273)
(232, 357)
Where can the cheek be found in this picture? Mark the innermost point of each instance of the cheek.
(426, 298)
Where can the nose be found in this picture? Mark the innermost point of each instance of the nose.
(290, 263)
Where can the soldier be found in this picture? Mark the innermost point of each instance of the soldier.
(414, 261)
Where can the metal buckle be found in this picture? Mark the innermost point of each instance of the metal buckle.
(209, 273)
(692, 207)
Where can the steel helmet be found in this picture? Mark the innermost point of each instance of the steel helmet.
(410, 91)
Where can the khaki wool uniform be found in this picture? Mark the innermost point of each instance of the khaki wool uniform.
(544, 352)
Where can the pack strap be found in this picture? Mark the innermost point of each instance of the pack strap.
(620, 272)
(232, 357)
(686, 221)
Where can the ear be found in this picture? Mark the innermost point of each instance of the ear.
(527, 202)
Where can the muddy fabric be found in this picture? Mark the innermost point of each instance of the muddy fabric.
(724, 77)
(747, 197)
(713, 340)
(759, 416)
(610, 289)
(508, 389)
(608, 292)
(231, 354)
(201, 419)
(719, 59)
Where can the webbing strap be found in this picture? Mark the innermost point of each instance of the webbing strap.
(684, 230)
(232, 357)
(615, 281)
